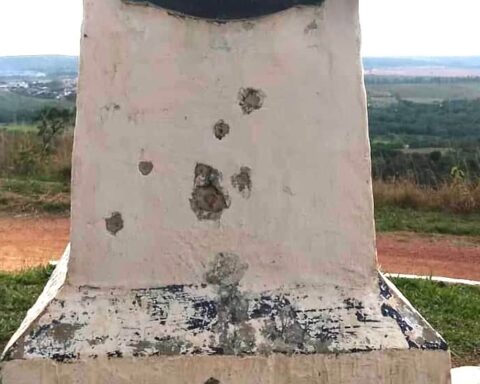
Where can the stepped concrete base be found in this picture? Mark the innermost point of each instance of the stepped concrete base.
(393, 367)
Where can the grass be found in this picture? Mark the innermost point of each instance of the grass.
(456, 197)
(18, 292)
(34, 196)
(453, 310)
(14, 106)
(424, 93)
(19, 127)
(393, 219)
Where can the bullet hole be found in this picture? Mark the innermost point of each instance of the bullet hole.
(112, 106)
(250, 99)
(221, 129)
(145, 167)
(208, 198)
(311, 27)
(114, 223)
(212, 380)
(243, 182)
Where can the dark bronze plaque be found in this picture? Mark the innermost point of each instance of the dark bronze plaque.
(227, 9)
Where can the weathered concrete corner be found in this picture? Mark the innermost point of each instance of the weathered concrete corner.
(218, 317)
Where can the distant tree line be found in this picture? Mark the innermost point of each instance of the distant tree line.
(448, 134)
(429, 169)
(380, 79)
(448, 119)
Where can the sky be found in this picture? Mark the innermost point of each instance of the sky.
(390, 27)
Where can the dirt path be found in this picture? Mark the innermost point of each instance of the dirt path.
(27, 242)
(430, 255)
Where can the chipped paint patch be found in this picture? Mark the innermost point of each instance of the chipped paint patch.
(145, 167)
(311, 27)
(225, 269)
(416, 330)
(251, 99)
(221, 129)
(209, 199)
(219, 317)
(242, 182)
(114, 223)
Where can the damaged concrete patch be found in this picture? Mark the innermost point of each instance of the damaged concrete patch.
(63, 332)
(417, 332)
(236, 337)
(250, 99)
(114, 223)
(311, 27)
(242, 182)
(212, 380)
(145, 167)
(97, 341)
(226, 269)
(221, 129)
(166, 346)
(208, 200)
(221, 317)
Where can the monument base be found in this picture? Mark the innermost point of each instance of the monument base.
(189, 334)
(393, 367)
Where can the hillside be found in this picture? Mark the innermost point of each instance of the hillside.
(14, 66)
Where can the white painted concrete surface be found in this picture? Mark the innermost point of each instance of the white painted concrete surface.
(156, 85)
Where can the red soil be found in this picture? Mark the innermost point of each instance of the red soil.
(437, 255)
(31, 241)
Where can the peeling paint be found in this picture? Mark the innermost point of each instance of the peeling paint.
(208, 200)
(221, 129)
(145, 167)
(242, 182)
(251, 99)
(226, 269)
(114, 223)
(219, 318)
(311, 27)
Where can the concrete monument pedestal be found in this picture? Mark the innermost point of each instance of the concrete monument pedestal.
(222, 215)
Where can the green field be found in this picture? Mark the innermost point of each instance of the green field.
(393, 219)
(19, 127)
(385, 94)
(34, 196)
(453, 310)
(14, 107)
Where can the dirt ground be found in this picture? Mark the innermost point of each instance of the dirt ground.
(32, 241)
(430, 255)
